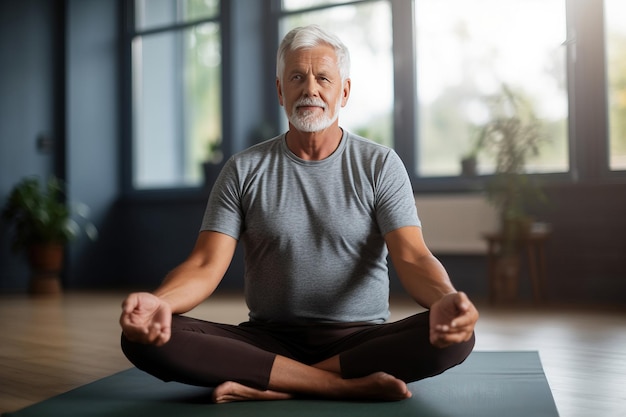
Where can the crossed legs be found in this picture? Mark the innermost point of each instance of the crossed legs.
(289, 378)
(368, 362)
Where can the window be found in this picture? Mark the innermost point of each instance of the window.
(615, 16)
(423, 74)
(467, 52)
(365, 28)
(176, 91)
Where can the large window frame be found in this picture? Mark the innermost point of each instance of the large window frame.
(408, 130)
(586, 80)
(130, 32)
(586, 87)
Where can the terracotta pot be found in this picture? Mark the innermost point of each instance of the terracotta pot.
(46, 262)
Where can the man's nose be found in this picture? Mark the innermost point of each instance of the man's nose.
(310, 87)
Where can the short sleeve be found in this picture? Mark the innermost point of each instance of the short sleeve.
(394, 198)
(223, 211)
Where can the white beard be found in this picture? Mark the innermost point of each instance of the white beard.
(308, 121)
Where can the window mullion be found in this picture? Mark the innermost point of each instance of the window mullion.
(181, 107)
(590, 108)
(405, 106)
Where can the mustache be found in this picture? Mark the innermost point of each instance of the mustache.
(307, 101)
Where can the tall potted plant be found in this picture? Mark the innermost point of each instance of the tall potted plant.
(512, 136)
(42, 223)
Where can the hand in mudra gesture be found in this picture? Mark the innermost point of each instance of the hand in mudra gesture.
(146, 319)
(452, 320)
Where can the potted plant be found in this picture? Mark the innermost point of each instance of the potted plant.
(43, 223)
(512, 136)
(469, 160)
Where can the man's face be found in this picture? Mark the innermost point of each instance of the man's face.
(311, 90)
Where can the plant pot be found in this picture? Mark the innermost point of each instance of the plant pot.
(46, 262)
(469, 166)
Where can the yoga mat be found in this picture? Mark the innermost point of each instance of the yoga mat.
(487, 384)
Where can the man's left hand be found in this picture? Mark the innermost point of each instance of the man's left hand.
(452, 320)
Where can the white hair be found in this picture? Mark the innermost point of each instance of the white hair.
(308, 37)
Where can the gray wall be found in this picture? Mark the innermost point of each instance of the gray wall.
(28, 73)
(59, 79)
(93, 129)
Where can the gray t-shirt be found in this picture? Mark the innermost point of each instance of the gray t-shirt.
(313, 231)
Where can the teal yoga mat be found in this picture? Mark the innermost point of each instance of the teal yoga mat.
(487, 384)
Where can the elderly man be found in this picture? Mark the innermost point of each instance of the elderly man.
(317, 210)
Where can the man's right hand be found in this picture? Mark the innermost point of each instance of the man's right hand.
(146, 319)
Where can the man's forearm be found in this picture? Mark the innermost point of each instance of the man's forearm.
(184, 288)
(198, 276)
(426, 280)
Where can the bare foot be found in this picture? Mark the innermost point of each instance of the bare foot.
(232, 391)
(379, 386)
(375, 387)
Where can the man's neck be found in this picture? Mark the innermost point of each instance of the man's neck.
(314, 146)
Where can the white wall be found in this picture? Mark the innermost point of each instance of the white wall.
(454, 223)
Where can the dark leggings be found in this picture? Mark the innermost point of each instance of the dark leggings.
(206, 354)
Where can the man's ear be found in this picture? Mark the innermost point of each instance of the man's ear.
(279, 90)
(346, 92)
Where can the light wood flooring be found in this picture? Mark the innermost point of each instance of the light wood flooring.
(49, 346)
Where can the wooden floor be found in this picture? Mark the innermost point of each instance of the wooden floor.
(49, 346)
